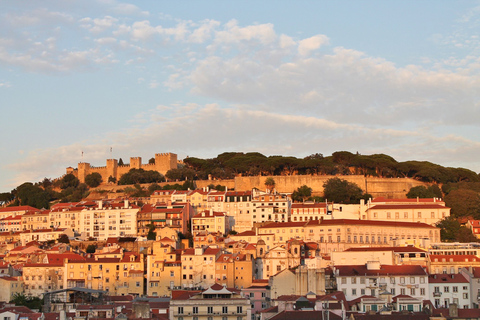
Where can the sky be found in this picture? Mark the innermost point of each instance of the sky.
(83, 81)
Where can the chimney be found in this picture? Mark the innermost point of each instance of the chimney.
(100, 204)
(125, 202)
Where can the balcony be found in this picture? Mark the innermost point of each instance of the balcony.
(437, 294)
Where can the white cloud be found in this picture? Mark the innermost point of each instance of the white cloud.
(306, 46)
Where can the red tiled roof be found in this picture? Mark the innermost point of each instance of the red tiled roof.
(356, 270)
(208, 214)
(18, 208)
(309, 205)
(407, 200)
(370, 223)
(453, 258)
(283, 225)
(395, 249)
(447, 278)
(407, 206)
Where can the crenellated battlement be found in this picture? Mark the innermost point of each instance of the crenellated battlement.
(163, 163)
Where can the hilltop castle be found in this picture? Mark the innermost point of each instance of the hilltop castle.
(163, 163)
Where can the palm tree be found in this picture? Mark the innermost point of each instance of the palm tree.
(270, 183)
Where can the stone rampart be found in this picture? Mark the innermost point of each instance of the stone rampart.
(377, 187)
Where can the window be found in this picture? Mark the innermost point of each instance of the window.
(422, 291)
(446, 289)
(209, 309)
(239, 309)
(354, 292)
(436, 289)
(412, 279)
(224, 309)
(195, 310)
(354, 280)
(362, 280)
(465, 295)
(344, 280)
(412, 291)
(455, 289)
(402, 279)
(402, 291)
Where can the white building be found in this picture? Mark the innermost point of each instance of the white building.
(449, 288)
(375, 279)
(109, 219)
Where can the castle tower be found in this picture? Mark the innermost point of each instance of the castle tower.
(135, 162)
(83, 171)
(112, 165)
(165, 162)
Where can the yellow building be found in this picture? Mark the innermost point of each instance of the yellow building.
(118, 276)
(234, 270)
(209, 221)
(164, 270)
(10, 286)
(43, 277)
(36, 220)
(198, 267)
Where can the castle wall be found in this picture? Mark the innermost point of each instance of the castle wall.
(230, 184)
(377, 187)
(163, 163)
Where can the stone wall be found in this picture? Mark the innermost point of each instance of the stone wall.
(377, 187)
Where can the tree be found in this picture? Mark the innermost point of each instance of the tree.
(135, 176)
(63, 238)
(449, 228)
(424, 192)
(270, 183)
(20, 299)
(151, 161)
(28, 194)
(181, 174)
(91, 248)
(342, 191)
(112, 179)
(153, 187)
(93, 180)
(69, 180)
(464, 203)
(120, 162)
(302, 193)
(465, 235)
(152, 235)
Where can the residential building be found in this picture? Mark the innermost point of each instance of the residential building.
(109, 219)
(374, 279)
(36, 220)
(115, 275)
(16, 211)
(217, 302)
(428, 211)
(234, 270)
(438, 263)
(9, 287)
(449, 288)
(209, 221)
(273, 206)
(198, 267)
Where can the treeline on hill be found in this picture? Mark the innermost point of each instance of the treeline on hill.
(228, 165)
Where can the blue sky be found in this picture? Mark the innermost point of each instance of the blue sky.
(199, 78)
